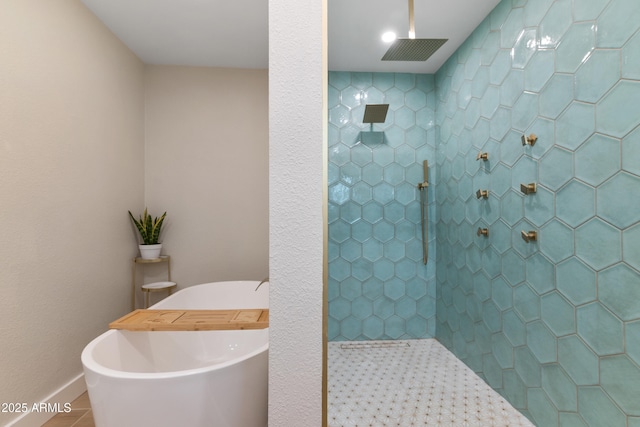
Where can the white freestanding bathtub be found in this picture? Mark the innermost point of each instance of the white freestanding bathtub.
(191, 379)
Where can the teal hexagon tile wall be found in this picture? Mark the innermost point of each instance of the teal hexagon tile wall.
(566, 344)
(380, 287)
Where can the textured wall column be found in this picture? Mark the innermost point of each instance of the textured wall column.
(297, 119)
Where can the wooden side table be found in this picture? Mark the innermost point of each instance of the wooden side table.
(147, 288)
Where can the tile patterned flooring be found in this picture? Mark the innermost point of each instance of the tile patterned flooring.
(410, 383)
(389, 383)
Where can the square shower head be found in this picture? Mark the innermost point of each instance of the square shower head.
(375, 113)
(412, 49)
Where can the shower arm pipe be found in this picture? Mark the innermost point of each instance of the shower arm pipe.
(412, 25)
(424, 211)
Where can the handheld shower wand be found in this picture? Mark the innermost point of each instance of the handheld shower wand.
(424, 220)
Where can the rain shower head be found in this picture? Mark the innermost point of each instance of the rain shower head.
(411, 48)
(404, 49)
(375, 113)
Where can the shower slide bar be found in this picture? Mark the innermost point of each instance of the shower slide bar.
(424, 212)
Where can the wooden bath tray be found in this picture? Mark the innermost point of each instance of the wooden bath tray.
(192, 320)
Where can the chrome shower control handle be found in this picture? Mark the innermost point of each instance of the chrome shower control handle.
(530, 236)
(529, 140)
(483, 156)
(483, 232)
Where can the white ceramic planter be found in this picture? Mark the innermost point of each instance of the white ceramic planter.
(150, 251)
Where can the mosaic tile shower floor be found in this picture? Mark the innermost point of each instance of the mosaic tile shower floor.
(410, 383)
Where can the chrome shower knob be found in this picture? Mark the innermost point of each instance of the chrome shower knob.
(530, 236)
(529, 140)
(482, 193)
(482, 156)
(483, 232)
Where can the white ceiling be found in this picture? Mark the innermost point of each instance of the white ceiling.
(234, 33)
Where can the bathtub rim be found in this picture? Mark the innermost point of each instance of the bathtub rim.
(89, 363)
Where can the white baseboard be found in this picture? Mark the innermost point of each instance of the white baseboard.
(65, 394)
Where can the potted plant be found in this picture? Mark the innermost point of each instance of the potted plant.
(149, 229)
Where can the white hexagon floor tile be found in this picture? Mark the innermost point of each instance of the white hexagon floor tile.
(410, 383)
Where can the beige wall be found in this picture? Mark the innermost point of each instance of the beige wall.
(71, 157)
(207, 166)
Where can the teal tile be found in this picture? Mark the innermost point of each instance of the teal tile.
(361, 155)
(512, 208)
(502, 350)
(372, 288)
(571, 419)
(500, 123)
(558, 314)
(600, 329)
(501, 293)
(619, 291)
(513, 267)
(361, 308)
(383, 231)
(632, 339)
(339, 308)
(500, 179)
(499, 14)
(541, 342)
(534, 12)
(490, 102)
(372, 174)
(539, 207)
(631, 58)
(514, 388)
(361, 80)
(539, 70)
(511, 28)
(556, 169)
(417, 327)
(361, 193)
(631, 246)
(361, 269)
(575, 203)
(620, 378)
(339, 231)
(489, 48)
(616, 201)
(350, 250)
(527, 367)
(514, 328)
(512, 88)
(598, 244)
(500, 67)
(597, 409)
(491, 316)
(526, 303)
(524, 111)
(500, 236)
(578, 360)
(575, 47)
(406, 269)
(555, 23)
(372, 213)
(614, 112)
(523, 172)
(588, 10)
(382, 307)
(351, 97)
(406, 193)
(394, 250)
(556, 241)
(472, 64)
(383, 193)
(351, 328)
(339, 79)
(631, 152)
(617, 23)
(491, 370)
(524, 48)
(333, 329)
(372, 327)
(406, 307)
(405, 118)
(576, 281)
(575, 125)
(560, 388)
(556, 95)
(383, 269)
(394, 327)
(540, 274)
(545, 130)
(597, 75)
